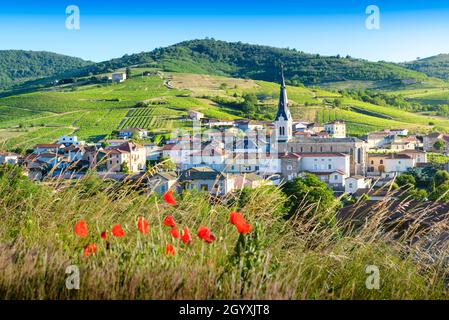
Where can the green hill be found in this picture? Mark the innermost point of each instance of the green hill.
(258, 62)
(18, 66)
(436, 66)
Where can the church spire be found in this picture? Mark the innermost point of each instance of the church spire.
(283, 110)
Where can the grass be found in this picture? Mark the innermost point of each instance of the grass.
(298, 258)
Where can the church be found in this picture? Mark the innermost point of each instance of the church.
(288, 139)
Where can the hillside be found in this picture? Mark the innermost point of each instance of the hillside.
(436, 66)
(161, 101)
(258, 62)
(17, 66)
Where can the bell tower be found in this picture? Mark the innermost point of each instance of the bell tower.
(283, 123)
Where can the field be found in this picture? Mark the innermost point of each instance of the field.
(93, 112)
(279, 258)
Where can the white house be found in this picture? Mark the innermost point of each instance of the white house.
(325, 162)
(127, 133)
(48, 148)
(397, 163)
(70, 140)
(336, 129)
(355, 183)
(418, 155)
(9, 157)
(118, 77)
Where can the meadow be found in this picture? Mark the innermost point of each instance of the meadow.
(142, 258)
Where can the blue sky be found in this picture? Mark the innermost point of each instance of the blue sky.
(109, 29)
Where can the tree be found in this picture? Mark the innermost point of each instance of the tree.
(441, 177)
(439, 145)
(124, 168)
(128, 73)
(135, 135)
(309, 190)
(167, 164)
(406, 180)
(337, 103)
(249, 103)
(441, 193)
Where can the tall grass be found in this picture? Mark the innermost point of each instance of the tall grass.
(299, 258)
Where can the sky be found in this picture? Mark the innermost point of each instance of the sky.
(110, 29)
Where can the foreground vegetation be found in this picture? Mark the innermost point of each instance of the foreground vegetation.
(299, 255)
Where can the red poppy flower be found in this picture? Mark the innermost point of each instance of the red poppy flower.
(81, 229)
(104, 235)
(186, 237)
(168, 197)
(237, 219)
(204, 234)
(169, 250)
(90, 249)
(170, 221)
(174, 232)
(142, 225)
(118, 231)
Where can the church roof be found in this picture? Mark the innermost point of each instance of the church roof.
(283, 110)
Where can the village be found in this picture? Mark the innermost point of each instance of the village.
(221, 156)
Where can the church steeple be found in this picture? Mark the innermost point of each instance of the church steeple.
(283, 122)
(283, 110)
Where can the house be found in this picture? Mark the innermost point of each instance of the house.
(132, 154)
(118, 77)
(325, 162)
(128, 133)
(207, 179)
(153, 151)
(430, 140)
(9, 157)
(113, 142)
(379, 139)
(211, 154)
(74, 152)
(250, 180)
(70, 140)
(210, 123)
(418, 155)
(355, 183)
(195, 115)
(404, 143)
(398, 163)
(162, 182)
(336, 129)
(290, 165)
(94, 157)
(352, 146)
(48, 148)
(399, 132)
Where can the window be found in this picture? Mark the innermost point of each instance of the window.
(329, 166)
(381, 162)
(335, 177)
(351, 185)
(289, 167)
(372, 161)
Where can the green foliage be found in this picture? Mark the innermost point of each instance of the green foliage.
(439, 145)
(17, 66)
(406, 180)
(307, 190)
(124, 168)
(441, 177)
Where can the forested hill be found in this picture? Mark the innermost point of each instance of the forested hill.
(436, 66)
(17, 66)
(258, 62)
